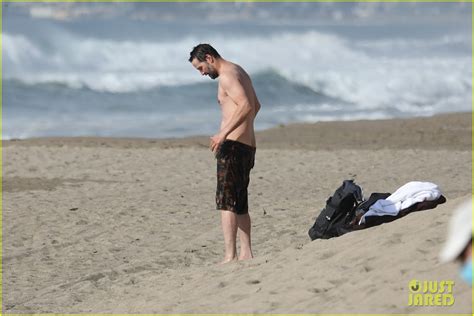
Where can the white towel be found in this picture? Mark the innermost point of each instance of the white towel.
(407, 195)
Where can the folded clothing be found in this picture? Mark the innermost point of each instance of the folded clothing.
(406, 196)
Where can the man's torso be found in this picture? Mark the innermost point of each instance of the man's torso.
(244, 133)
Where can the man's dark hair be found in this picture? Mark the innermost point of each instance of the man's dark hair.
(199, 52)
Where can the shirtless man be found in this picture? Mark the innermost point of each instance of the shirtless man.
(234, 146)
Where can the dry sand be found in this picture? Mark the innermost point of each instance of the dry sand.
(94, 225)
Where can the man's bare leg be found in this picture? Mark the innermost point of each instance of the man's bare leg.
(229, 228)
(244, 224)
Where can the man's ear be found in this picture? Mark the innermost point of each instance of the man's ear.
(209, 59)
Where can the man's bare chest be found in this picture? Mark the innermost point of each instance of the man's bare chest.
(224, 99)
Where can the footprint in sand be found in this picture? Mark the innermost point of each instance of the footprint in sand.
(394, 239)
(251, 282)
(318, 290)
(238, 297)
(327, 255)
(338, 281)
(422, 251)
(366, 269)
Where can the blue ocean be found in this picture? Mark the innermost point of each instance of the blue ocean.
(122, 70)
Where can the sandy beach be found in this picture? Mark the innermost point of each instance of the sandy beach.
(104, 225)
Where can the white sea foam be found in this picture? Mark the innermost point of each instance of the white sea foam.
(366, 75)
(327, 63)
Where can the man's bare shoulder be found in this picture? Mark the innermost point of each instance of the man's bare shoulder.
(239, 71)
(234, 73)
(230, 76)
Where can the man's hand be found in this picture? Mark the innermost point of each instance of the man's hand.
(216, 141)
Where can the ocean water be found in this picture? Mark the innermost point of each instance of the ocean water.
(118, 76)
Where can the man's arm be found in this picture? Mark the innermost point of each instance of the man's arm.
(235, 90)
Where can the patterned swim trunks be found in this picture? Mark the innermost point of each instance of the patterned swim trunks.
(234, 162)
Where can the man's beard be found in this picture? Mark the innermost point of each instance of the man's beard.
(213, 75)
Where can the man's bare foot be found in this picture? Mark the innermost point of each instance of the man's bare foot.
(227, 260)
(245, 257)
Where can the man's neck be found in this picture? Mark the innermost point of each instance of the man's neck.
(220, 64)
